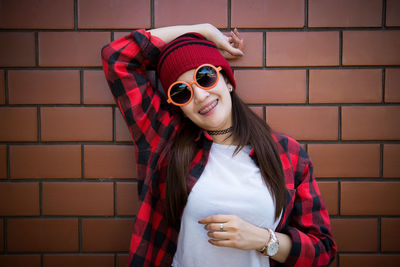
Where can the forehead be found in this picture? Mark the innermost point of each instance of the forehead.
(186, 76)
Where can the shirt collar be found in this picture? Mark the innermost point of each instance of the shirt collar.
(209, 138)
(206, 135)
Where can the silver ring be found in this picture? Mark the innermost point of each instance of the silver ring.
(221, 227)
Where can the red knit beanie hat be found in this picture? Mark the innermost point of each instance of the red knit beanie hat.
(187, 52)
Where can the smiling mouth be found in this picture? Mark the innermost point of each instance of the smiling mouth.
(209, 107)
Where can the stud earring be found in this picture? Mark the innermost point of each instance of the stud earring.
(230, 89)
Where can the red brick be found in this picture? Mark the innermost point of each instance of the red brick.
(123, 260)
(42, 235)
(345, 160)
(3, 162)
(106, 235)
(369, 260)
(44, 87)
(329, 193)
(95, 88)
(118, 35)
(305, 123)
(121, 129)
(44, 14)
(268, 14)
(302, 49)
(392, 13)
(110, 161)
(86, 199)
(370, 198)
(390, 234)
(392, 85)
(122, 14)
(345, 86)
(178, 12)
(127, 199)
(344, 13)
(1, 237)
(20, 260)
(18, 124)
(45, 161)
(271, 86)
(355, 235)
(2, 89)
(391, 156)
(259, 111)
(17, 49)
(78, 260)
(371, 48)
(76, 124)
(19, 199)
(253, 50)
(370, 123)
(78, 48)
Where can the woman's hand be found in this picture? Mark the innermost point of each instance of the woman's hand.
(236, 233)
(229, 44)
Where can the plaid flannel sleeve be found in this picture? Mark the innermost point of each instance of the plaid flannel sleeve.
(308, 226)
(150, 122)
(152, 125)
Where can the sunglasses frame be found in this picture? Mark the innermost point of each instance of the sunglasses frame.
(194, 81)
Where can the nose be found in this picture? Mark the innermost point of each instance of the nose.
(199, 94)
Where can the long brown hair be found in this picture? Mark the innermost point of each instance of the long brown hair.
(248, 129)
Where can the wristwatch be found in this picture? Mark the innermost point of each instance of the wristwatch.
(272, 246)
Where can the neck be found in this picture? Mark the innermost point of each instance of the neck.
(223, 139)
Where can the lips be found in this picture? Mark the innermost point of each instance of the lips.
(208, 107)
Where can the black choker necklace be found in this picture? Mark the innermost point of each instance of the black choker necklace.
(219, 132)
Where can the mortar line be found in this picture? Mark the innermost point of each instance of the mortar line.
(75, 15)
(229, 15)
(6, 93)
(152, 14)
(383, 85)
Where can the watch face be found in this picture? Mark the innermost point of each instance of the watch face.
(273, 249)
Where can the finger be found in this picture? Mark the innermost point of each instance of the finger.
(217, 227)
(222, 243)
(235, 52)
(219, 218)
(229, 56)
(237, 43)
(233, 42)
(220, 235)
(235, 37)
(236, 32)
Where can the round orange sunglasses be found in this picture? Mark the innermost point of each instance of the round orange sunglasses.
(205, 77)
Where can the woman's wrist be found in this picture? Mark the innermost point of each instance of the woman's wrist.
(263, 240)
(167, 34)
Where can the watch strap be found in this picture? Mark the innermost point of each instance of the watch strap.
(272, 239)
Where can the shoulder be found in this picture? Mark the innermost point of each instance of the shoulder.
(288, 144)
(293, 155)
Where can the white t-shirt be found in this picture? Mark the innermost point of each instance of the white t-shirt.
(228, 185)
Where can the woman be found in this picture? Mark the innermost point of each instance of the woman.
(253, 198)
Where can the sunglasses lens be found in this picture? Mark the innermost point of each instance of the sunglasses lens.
(180, 93)
(206, 76)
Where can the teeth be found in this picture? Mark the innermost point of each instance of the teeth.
(210, 107)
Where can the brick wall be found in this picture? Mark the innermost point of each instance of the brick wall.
(325, 72)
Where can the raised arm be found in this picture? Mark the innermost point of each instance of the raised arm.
(229, 44)
(150, 120)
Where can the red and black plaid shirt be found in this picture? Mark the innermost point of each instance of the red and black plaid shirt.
(153, 125)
